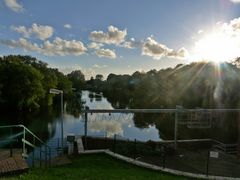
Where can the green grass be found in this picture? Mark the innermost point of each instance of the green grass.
(95, 166)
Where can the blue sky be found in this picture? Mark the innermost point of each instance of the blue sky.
(113, 36)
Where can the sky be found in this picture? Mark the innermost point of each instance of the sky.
(120, 36)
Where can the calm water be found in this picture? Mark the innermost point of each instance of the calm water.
(104, 124)
(47, 123)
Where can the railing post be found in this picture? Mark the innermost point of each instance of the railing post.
(85, 127)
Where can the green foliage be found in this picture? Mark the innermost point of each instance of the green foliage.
(21, 85)
(25, 82)
(195, 85)
(77, 78)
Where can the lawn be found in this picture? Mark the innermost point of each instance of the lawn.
(95, 166)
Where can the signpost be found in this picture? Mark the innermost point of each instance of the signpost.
(211, 154)
(57, 91)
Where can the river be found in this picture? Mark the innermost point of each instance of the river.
(47, 123)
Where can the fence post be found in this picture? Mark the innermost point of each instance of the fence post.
(49, 157)
(207, 169)
(24, 136)
(85, 127)
(176, 127)
(40, 156)
(11, 150)
(33, 163)
(163, 156)
(114, 143)
(135, 149)
(45, 156)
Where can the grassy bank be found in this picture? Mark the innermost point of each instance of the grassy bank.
(95, 166)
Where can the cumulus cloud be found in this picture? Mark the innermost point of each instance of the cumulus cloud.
(106, 53)
(94, 45)
(58, 46)
(113, 36)
(63, 47)
(67, 26)
(156, 50)
(21, 43)
(38, 31)
(235, 1)
(132, 44)
(99, 66)
(14, 5)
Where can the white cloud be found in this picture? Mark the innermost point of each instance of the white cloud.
(156, 50)
(113, 36)
(21, 43)
(94, 45)
(106, 53)
(235, 1)
(39, 31)
(67, 26)
(110, 127)
(63, 47)
(14, 5)
(99, 66)
(132, 44)
(58, 46)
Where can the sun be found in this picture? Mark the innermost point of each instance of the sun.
(216, 47)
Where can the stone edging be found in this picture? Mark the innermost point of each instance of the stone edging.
(153, 167)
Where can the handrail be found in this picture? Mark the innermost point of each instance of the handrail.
(26, 142)
(155, 110)
(21, 125)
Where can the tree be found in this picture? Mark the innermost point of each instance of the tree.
(21, 85)
(99, 77)
(77, 78)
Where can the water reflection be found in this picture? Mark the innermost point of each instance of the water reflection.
(47, 123)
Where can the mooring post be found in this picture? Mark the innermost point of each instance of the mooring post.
(85, 127)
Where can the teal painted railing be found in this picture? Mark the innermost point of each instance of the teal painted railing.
(34, 143)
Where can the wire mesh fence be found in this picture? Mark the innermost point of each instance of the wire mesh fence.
(188, 148)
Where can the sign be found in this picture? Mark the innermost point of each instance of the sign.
(55, 91)
(214, 154)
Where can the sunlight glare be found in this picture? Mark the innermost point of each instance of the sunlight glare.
(216, 47)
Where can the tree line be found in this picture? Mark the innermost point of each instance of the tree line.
(199, 84)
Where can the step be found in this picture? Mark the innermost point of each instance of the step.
(14, 164)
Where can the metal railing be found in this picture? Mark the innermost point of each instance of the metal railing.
(33, 144)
